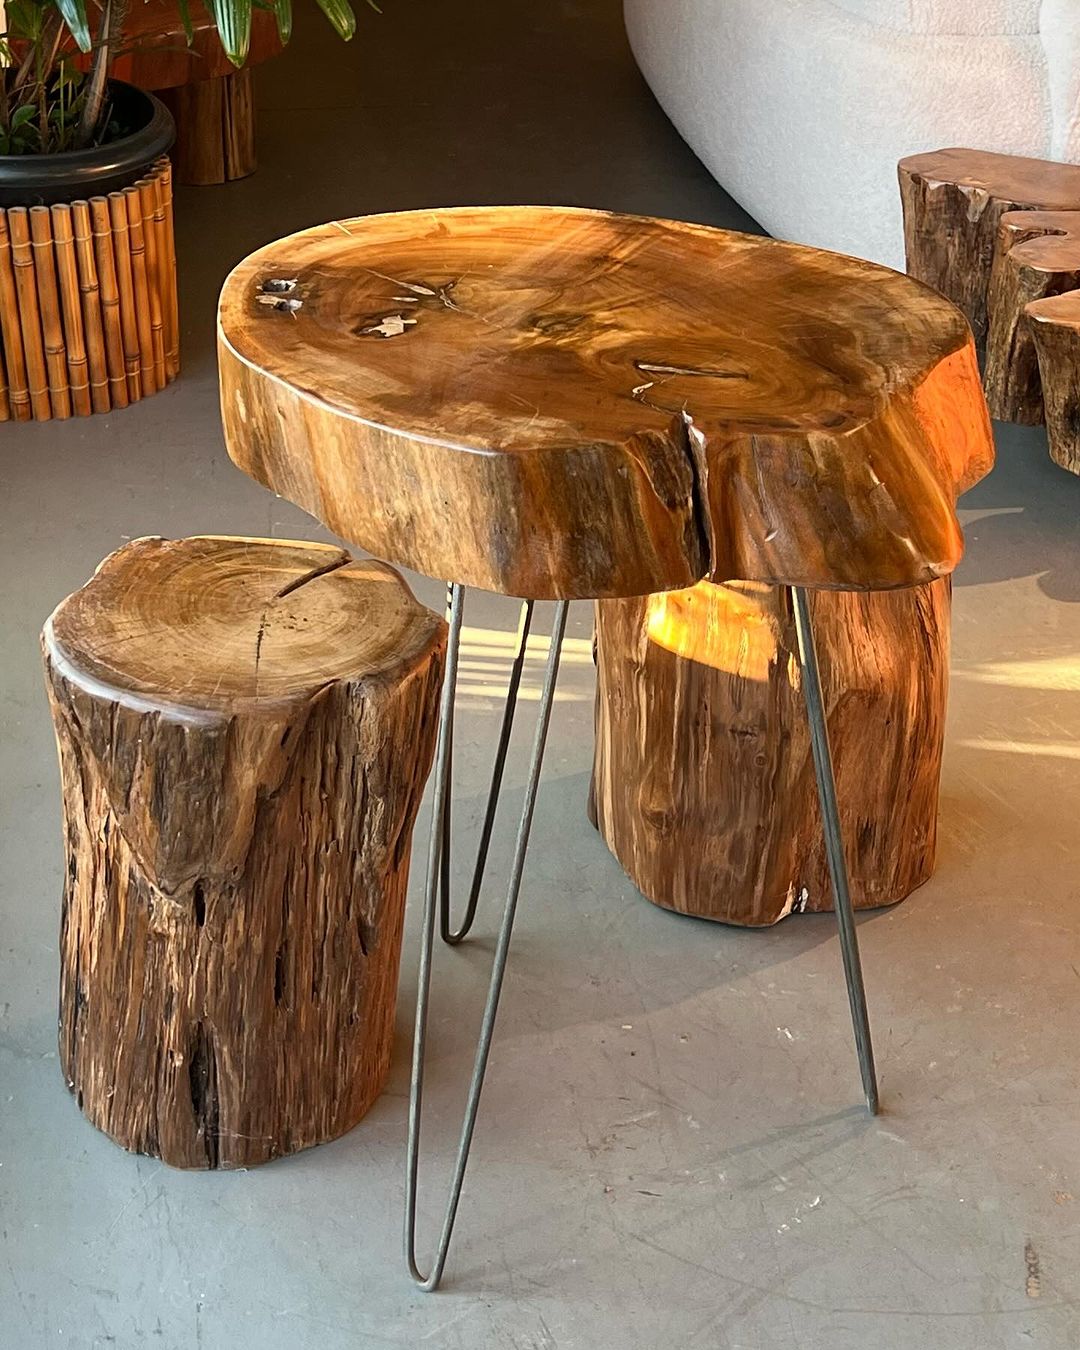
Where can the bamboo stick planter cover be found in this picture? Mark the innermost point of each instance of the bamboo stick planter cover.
(88, 310)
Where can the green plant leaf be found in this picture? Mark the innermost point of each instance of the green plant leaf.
(341, 16)
(21, 116)
(283, 14)
(24, 20)
(73, 13)
(185, 20)
(233, 21)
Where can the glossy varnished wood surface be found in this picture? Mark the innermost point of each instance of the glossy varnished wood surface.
(557, 402)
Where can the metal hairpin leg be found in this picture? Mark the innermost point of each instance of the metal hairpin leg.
(502, 945)
(834, 844)
(449, 935)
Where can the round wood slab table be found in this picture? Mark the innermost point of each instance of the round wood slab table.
(565, 404)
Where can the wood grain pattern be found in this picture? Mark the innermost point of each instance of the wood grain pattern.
(1055, 326)
(554, 402)
(245, 728)
(703, 781)
(215, 129)
(1038, 254)
(953, 202)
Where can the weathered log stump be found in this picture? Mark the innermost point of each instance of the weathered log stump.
(181, 58)
(245, 728)
(215, 128)
(1055, 324)
(703, 782)
(953, 203)
(1038, 254)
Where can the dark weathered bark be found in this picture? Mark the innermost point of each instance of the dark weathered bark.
(703, 784)
(237, 822)
(1038, 254)
(953, 202)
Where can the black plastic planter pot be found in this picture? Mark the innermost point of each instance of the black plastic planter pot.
(42, 180)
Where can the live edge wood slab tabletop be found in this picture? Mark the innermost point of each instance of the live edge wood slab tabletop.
(560, 403)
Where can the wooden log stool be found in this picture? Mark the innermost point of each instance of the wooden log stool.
(703, 782)
(1055, 328)
(1000, 235)
(953, 202)
(245, 728)
(1037, 255)
(564, 404)
(213, 102)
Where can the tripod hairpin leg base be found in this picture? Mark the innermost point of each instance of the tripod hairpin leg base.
(432, 909)
(452, 936)
(834, 844)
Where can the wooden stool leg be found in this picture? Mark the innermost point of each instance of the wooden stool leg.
(834, 843)
(215, 129)
(502, 946)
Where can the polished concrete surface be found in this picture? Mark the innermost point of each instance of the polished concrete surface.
(670, 1150)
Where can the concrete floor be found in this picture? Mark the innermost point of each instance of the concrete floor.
(670, 1151)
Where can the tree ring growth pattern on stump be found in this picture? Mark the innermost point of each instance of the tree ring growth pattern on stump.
(219, 625)
(245, 728)
(553, 402)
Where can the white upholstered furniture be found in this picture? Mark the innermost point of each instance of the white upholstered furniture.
(801, 108)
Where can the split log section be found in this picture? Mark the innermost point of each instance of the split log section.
(953, 203)
(245, 728)
(703, 781)
(1055, 325)
(1038, 255)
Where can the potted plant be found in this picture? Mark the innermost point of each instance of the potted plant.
(88, 316)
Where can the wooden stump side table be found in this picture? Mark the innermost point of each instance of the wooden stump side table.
(566, 404)
(213, 102)
(1055, 327)
(245, 729)
(954, 201)
(1000, 235)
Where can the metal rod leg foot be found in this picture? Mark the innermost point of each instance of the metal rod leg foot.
(448, 934)
(502, 946)
(834, 844)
